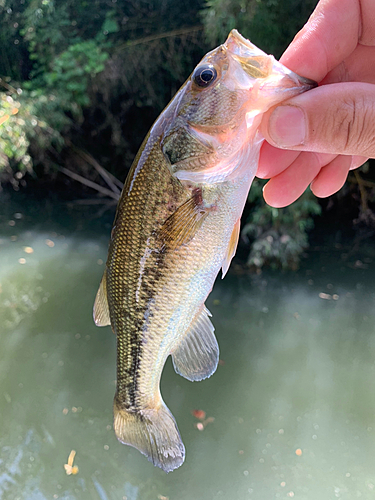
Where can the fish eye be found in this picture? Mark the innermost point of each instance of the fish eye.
(204, 75)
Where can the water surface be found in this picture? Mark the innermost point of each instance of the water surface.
(292, 404)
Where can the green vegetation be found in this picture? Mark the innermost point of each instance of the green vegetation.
(14, 143)
(82, 81)
(95, 73)
(279, 235)
(270, 24)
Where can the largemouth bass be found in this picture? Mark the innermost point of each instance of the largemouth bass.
(177, 224)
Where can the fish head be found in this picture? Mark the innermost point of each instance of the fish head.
(219, 109)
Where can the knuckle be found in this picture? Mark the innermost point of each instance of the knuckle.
(355, 127)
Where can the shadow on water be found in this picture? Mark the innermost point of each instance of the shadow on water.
(292, 401)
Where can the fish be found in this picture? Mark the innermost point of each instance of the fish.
(177, 224)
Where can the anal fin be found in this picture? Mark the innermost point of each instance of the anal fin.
(197, 355)
(232, 247)
(101, 310)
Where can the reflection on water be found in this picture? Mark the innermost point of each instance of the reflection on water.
(292, 402)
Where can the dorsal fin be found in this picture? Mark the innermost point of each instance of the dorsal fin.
(232, 247)
(101, 310)
(197, 355)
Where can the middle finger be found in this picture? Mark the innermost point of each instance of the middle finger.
(287, 187)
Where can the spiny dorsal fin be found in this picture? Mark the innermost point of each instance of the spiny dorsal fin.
(101, 310)
(232, 247)
(182, 225)
(197, 355)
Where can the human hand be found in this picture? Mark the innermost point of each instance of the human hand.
(329, 130)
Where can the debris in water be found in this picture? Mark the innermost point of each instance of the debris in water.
(199, 414)
(202, 425)
(50, 243)
(28, 249)
(22, 261)
(325, 296)
(69, 467)
(358, 264)
(208, 420)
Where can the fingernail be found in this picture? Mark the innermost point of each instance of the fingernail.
(287, 126)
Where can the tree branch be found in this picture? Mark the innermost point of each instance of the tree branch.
(151, 38)
(110, 179)
(88, 183)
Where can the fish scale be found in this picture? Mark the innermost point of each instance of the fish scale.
(177, 224)
(134, 227)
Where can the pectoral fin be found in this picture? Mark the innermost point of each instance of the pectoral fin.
(232, 247)
(197, 356)
(101, 310)
(182, 225)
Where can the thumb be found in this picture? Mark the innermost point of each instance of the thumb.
(337, 118)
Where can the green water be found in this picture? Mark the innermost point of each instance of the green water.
(293, 400)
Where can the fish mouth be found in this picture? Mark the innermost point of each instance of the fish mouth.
(238, 44)
(274, 79)
(252, 60)
(290, 80)
(283, 83)
(307, 82)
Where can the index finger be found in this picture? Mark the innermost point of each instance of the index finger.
(330, 35)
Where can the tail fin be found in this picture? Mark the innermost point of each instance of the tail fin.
(153, 432)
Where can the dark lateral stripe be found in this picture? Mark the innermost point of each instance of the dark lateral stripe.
(129, 371)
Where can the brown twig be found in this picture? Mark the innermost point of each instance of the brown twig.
(151, 38)
(110, 179)
(115, 184)
(8, 87)
(94, 201)
(364, 182)
(89, 183)
(362, 191)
